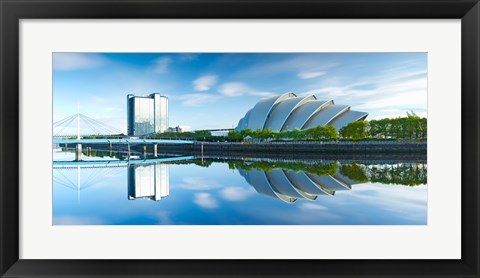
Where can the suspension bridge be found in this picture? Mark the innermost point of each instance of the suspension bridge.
(76, 129)
(115, 163)
(79, 125)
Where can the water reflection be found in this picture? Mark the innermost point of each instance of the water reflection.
(284, 180)
(239, 191)
(148, 181)
(289, 186)
(144, 180)
(292, 180)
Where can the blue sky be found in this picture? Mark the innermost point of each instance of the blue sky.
(215, 90)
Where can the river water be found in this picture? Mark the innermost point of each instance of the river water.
(255, 191)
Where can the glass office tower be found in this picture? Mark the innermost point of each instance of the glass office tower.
(147, 114)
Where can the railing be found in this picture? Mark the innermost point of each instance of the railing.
(373, 142)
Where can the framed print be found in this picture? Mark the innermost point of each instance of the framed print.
(246, 138)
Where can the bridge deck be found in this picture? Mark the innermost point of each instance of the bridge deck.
(120, 141)
(59, 164)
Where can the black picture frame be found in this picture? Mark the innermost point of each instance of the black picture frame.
(11, 11)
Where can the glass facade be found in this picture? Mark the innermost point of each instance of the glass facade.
(147, 114)
(144, 120)
(148, 181)
(158, 114)
(164, 113)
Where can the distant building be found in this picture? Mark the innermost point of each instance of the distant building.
(174, 129)
(146, 114)
(222, 132)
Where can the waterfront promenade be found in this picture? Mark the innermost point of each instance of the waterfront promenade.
(120, 141)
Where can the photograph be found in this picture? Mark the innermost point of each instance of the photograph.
(307, 138)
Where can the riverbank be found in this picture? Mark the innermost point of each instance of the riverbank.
(303, 148)
(348, 150)
(370, 147)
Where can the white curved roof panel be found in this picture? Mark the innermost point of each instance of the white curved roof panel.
(260, 112)
(329, 182)
(300, 116)
(281, 184)
(301, 181)
(259, 180)
(347, 117)
(283, 110)
(325, 116)
(242, 124)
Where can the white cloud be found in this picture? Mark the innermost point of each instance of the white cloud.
(164, 218)
(234, 89)
(381, 93)
(312, 206)
(235, 193)
(188, 57)
(407, 202)
(263, 94)
(205, 200)
(75, 61)
(407, 93)
(198, 99)
(294, 64)
(198, 183)
(311, 74)
(413, 98)
(204, 83)
(161, 65)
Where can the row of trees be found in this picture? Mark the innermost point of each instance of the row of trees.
(316, 133)
(411, 127)
(200, 135)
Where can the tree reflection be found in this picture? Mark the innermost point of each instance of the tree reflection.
(410, 174)
(401, 173)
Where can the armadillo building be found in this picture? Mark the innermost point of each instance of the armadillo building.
(288, 111)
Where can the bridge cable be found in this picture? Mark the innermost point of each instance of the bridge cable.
(66, 125)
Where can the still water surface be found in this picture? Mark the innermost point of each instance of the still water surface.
(239, 192)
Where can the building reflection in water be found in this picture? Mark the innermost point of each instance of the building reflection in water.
(148, 181)
(289, 185)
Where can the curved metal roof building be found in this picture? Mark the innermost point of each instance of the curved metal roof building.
(288, 111)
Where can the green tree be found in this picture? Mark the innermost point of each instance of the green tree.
(328, 132)
(246, 132)
(234, 135)
(355, 130)
(422, 127)
(354, 172)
